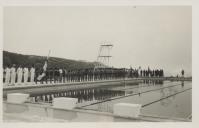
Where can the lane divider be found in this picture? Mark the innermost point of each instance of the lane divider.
(165, 98)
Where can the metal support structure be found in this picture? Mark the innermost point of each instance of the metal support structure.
(103, 58)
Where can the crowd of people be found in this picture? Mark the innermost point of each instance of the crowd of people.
(29, 74)
(146, 72)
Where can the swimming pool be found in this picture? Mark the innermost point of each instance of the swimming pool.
(158, 98)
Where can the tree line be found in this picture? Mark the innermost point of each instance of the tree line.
(10, 58)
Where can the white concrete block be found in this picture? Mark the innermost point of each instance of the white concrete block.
(127, 109)
(65, 102)
(17, 97)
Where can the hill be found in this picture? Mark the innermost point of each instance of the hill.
(10, 58)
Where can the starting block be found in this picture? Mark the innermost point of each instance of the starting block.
(17, 98)
(65, 102)
(127, 109)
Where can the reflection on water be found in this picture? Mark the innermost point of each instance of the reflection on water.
(169, 97)
(94, 94)
(103, 99)
(166, 96)
(165, 93)
(168, 92)
(153, 82)
(182, 83)
(83, 95)
(179, 106)
(105, 107)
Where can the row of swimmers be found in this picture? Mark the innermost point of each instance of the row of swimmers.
(13, 75)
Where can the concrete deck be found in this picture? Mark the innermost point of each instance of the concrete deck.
(28, 112)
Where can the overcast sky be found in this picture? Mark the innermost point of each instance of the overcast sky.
(154, 36)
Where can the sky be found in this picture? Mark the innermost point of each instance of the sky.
(154, 36)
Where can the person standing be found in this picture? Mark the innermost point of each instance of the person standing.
(182, 72)
(139, 71)
(51, 75)
(56, 76)
(131, 72)
(32, 74)
(19, 74)
(13, 74)
(64, 75)
(7, 77)
(25, 70)
(60, 75)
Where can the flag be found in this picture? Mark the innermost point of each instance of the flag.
(43, 71)
(44, 68)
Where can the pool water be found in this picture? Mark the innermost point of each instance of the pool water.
(159, 98)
